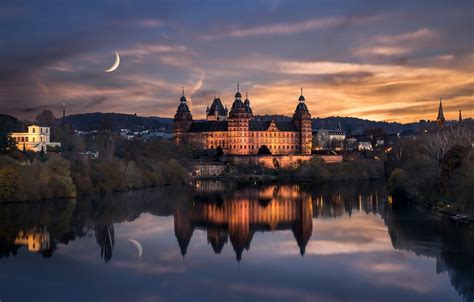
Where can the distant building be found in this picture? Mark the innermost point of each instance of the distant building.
(149, 135)
(126, 134)
(379, 142)
(365, 146)
(37, 139)
(203, 169)
(351, 144)
(324, 139)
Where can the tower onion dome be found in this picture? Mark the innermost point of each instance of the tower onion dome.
(247, 104)
(183, 107)
(301, 107)
(238, 99)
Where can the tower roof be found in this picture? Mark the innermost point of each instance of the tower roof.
(248, 109)
(440, 111)
(301, 98)
(183, 107)
(238, 104)
(301, 107)
(237, 94)
(217, 107)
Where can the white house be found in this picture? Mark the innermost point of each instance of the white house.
(36, 139)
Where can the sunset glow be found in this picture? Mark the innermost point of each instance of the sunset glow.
(365, 59)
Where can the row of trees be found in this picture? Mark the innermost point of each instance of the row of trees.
(435, 169)
(121, 165)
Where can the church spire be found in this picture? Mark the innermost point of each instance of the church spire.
(460, 116)
(440, 119)
(64, 113)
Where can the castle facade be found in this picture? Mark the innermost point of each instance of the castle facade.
(238, 132)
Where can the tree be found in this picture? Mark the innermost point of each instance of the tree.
(45, 118)
(7, 143)
(219, 153)
(11, 188)
(276, 163)
(8, 124)
(263, 150)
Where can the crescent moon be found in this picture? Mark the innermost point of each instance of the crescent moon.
(116, 64)
(138, 246)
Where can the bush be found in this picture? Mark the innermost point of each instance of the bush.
(398, 185)
(11, 187)
(108, 176)
(173, 173)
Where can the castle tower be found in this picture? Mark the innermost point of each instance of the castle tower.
(182, 121)
(440, 119)
(216, 112)
(248, 109)
(238, 126)
(302, 121)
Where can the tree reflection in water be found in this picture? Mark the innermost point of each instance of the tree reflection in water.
(231, 214)
(104, 235)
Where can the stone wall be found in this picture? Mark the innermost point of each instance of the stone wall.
(284, 161)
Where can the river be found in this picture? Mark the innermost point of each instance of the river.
(214, 241)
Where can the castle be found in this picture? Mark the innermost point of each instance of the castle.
(238, 132)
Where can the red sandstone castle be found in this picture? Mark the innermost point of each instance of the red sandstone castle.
(238, 132)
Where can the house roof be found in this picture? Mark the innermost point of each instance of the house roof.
(217, 106)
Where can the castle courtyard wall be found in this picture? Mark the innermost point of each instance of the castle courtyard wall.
(285, 161)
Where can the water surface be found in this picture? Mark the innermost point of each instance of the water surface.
(217, 242)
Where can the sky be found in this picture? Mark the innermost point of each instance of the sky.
(378, 60)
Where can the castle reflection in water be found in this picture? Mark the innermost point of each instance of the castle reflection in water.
(231, 215)
(236, 216)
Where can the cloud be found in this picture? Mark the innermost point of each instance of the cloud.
(382, 51)
(396, 45)
(422, 34)
(290, 28)
(150, 23)
(141, 50)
